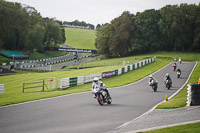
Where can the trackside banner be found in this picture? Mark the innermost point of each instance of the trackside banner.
(71, 50)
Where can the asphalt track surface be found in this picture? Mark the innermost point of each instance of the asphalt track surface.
(81, 113)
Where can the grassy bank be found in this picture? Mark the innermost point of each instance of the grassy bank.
(80, 38)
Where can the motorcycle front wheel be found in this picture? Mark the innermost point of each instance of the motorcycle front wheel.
(155, 88)
(100, 99)
(168, 86)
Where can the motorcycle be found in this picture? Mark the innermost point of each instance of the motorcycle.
(154, 85)
(168, 83)
(174, 67)
(102, 96)
(178, 74)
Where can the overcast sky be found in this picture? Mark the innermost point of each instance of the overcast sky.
(95, 11)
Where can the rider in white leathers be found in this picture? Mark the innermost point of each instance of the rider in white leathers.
(95, 86)
(151, 79)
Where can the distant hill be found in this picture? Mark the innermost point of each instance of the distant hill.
(80, 38)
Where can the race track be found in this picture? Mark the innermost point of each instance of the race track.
(80, 113)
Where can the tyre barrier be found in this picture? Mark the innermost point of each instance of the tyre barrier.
(193, 94)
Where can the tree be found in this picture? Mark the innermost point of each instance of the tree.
(35, 38)
(146, 35)
(168, 26)
(119, 40)
(54, 34)
(186, 26)
(98, 26)
(196, 44)
(101, 41)
(23, 28)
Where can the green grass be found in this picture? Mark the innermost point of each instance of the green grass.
(180, 99)
(80, 38)
(48, 54)
(113, 61)
(13, 83)
(188, 128)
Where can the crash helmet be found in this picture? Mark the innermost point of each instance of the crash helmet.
(96, 79)
(150, 76)
(167, 74)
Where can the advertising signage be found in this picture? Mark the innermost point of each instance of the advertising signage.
(71, 50)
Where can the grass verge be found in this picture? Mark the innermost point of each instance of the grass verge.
(188, 128)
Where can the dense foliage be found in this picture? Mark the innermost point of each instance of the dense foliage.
(172, 28)
(77, 23)
(23, 28)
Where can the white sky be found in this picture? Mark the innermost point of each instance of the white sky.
(95, 11)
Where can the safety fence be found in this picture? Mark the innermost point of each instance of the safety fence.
(48, 83)
(69, 82)
(33, 85)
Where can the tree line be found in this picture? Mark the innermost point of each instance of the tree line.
(77, 23)
(23, 28)
(171, 28)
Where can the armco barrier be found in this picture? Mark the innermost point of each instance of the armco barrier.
(89, 78)
(123, 70)
(73, 81)
(116, 72)
(133, 66)
(64, 83)
(81, 80)
(119, 71)
(69, 82)
(1, 88)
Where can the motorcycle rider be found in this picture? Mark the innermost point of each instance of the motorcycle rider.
(175, 59)
(174, 66)
(167, 77)
(151, 79)
(95, 85)
(103, 86)
(180, 60)
(178, 70)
